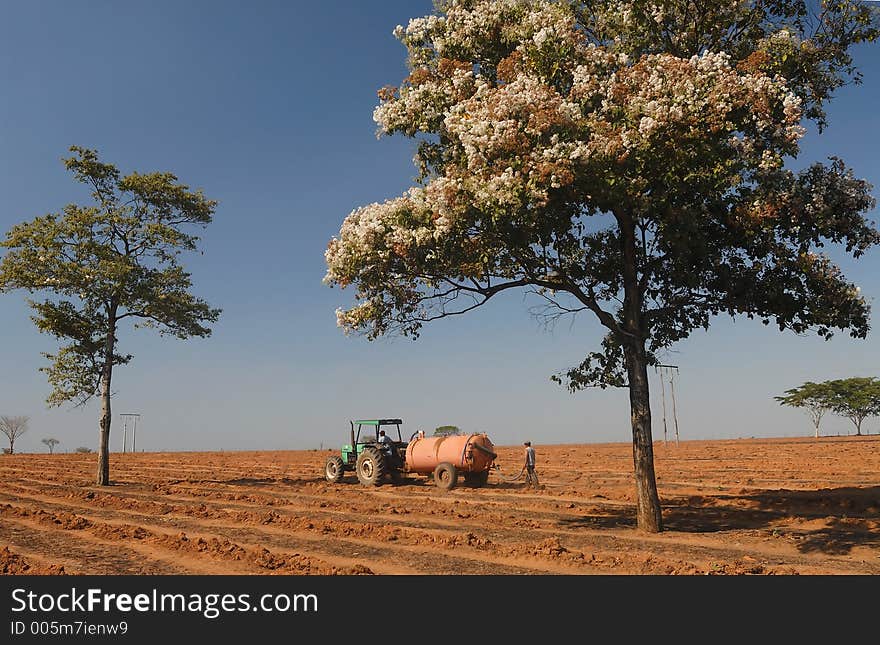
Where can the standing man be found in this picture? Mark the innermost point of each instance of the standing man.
(531, 475)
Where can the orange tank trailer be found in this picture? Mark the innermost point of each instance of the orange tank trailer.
(472, 455)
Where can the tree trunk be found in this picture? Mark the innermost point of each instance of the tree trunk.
(816, 414)
(649, 515)
(106, 375)
(633, 338)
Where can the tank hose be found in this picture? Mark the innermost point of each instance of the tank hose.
(486, 450)
(521, 473)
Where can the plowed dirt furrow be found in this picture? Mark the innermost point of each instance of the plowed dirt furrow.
(798, 505)
(604, 549)
(244, 560)
(81, 553)
(491, 555)
(317, 541)
(465, 515)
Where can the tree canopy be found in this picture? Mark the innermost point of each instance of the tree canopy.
(444, 431)
(626, 159)
(855, 398)
(98, 265)
(814, 397)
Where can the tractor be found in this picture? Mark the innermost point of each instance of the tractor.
(442, 458)
(370, 460)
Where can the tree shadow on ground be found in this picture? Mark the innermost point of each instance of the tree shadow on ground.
(252, 481)
(352, 480)
(512, 485)
(849, 517)
(618, 518)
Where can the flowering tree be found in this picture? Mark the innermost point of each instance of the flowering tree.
(621, 158)
(103, 264)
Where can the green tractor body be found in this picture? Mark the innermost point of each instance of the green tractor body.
(364, 455)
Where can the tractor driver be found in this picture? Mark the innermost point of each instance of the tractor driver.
(386, 443)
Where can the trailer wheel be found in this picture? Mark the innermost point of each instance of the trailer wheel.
(445, 476)
(334, 469)
(371, 467)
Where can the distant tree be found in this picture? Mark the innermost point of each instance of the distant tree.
(51, 443)
(104, 263)
(445, 431)
(83, 450)
(13, 428)
(622, 159)
(855, 399)
(814, 397)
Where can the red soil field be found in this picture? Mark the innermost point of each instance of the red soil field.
(749, 506)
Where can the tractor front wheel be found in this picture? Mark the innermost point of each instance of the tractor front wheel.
(371, 467)
(333, 470)
(445, 476)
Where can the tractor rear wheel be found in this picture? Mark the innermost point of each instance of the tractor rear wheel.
(371, 467)
(445, 476)
(334, 469)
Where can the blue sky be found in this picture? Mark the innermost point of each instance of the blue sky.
(267, 107)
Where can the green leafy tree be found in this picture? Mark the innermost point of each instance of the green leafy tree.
(445, 431)
(50, 443)
(855, 399)
(814, 397)
(101, 264)
(619, 158)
